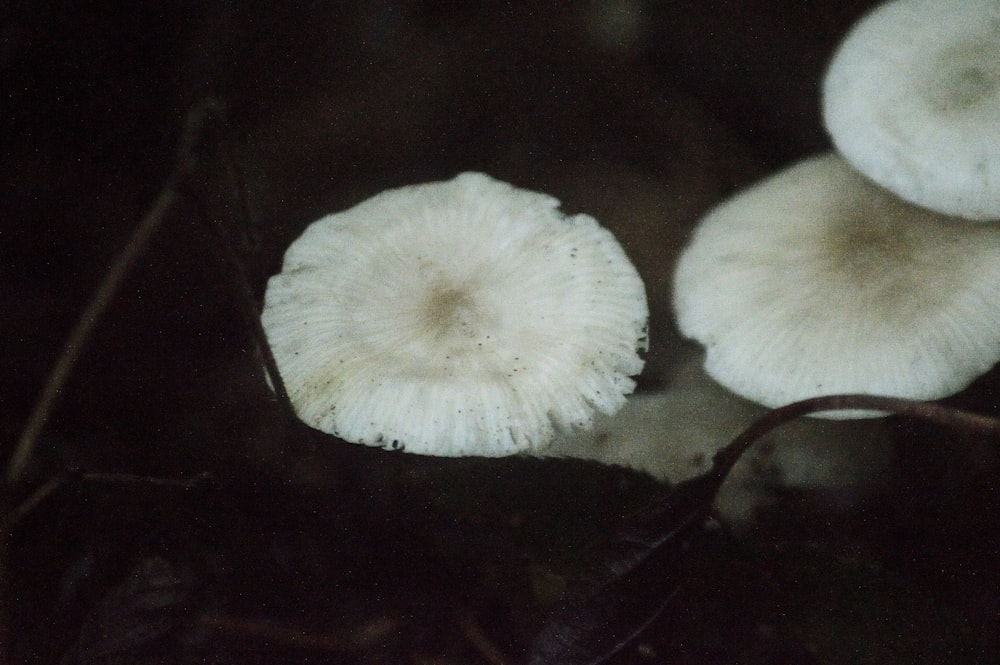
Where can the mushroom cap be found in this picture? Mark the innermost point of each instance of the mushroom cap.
(911, 99)
(816, 282)
(465, 317)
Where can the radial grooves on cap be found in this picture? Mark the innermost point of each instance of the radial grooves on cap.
(917, 315)
(456, 318)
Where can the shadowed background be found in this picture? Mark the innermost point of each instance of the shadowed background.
(642, 114)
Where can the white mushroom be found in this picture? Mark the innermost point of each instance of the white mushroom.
(816, 282)
(912, 100)
(673, 434)
(464, 317)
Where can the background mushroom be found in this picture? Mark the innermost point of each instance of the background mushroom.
(911, 98)
(816, 281)
(672, 434)
(464, 317)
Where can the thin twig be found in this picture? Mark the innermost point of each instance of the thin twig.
(237, 239)
(81, 332)
(620, 597)
(480, 640)
(249, 311)
(42, 493)
(111, 283)
(933, 412)
(39, 496)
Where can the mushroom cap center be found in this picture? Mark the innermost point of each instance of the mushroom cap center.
(450, 310)
(860, 250)
(963, 77)
(454, 318)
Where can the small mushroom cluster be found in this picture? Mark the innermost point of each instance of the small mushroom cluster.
(456, 318)
(872, 269)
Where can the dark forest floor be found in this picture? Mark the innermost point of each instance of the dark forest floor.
(192, 523)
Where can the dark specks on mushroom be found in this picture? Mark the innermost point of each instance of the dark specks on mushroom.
(460, 316)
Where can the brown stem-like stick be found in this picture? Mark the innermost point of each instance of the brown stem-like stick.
(628, 590)
(927, 411)
(168, 199)
(81, 332)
